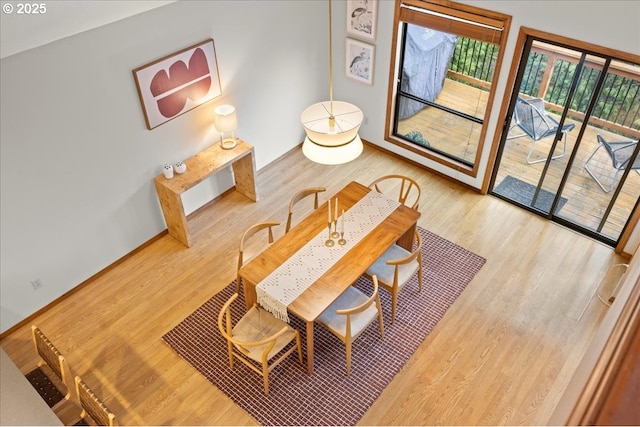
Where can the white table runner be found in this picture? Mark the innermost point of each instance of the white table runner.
(294, 276)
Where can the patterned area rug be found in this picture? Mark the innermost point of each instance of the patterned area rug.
(328, 396)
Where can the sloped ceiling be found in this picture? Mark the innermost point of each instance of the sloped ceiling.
(61, 18)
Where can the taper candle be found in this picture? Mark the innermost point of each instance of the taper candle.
(336, 218)
(342, 222)
(329, 212)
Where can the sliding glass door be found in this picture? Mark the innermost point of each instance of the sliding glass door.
(569, 149)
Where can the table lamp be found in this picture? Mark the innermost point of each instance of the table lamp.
(226, 123)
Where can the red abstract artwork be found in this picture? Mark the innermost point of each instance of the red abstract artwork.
(178, 83)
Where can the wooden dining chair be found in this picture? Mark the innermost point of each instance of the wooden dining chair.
(404, 189)
(299, 196)
(49, 356)
(92, 405)
(257, 338)
(350, 315)
(249, 232)
(395, 267)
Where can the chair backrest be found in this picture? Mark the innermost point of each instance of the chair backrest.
(620, 152)
(299, 196)
(362, 307)
(92, 405)
(531, 117)
(407, 189)
(50, 355)
(415, 254)
(249, 232)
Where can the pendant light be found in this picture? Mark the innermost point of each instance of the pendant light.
(331, 126)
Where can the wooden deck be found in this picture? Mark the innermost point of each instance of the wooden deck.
(586, 202)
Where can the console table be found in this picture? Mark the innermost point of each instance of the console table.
(199, 167)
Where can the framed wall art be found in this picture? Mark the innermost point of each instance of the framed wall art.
(359, 60)
(361, 19)
(177, 83)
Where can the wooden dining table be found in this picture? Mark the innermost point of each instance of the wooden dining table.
(398, 227)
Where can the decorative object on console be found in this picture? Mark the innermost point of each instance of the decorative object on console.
(226, 122)
(177, 83)
(332, 127)
(180, 167)
(168, 171)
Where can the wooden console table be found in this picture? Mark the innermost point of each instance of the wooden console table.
(199, 167)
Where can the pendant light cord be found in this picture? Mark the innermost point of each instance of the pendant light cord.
(331, 118)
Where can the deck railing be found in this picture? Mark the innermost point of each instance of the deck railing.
(548, 75)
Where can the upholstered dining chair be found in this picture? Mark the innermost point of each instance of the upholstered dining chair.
(49, 356)
(407, 189)
(395, 267)
(249, 232)
(298, 197)
(350, 315)
(620, 153)
(93, 406)
(258, 336)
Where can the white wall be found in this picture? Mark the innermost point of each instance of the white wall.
(77, 161)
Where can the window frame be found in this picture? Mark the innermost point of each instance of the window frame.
(456, 11)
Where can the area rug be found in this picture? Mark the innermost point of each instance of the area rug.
(522, 192)
(328, 396)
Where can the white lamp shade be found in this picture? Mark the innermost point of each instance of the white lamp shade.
(332, 155)
(317, 125)
(225, 118)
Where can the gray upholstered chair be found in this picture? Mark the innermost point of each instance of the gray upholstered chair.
(395, 267)
(349, 316)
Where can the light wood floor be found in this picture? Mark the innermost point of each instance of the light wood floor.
(502, 354)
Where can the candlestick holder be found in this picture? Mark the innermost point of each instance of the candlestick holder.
(342, 242)
(329, 242)
(335, 233)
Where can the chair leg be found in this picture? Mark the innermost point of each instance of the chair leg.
(394, 302)
(265, 375)
(533, 147)
(348, 350)
(593, 175)
(299, 345)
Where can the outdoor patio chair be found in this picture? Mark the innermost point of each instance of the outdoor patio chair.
(531, 117)
(620, 153)
(299, 196)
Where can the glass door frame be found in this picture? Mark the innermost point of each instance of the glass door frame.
(525, 40)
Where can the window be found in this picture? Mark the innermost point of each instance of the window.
(443, 72)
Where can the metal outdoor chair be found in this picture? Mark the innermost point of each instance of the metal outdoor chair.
(531, 117)
(620, 153)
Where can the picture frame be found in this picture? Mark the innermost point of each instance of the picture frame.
(362, 17)
(174, 84)
(359, 60)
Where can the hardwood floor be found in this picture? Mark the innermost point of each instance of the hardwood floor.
(502, 354)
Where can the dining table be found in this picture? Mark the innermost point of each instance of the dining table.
(394, 224)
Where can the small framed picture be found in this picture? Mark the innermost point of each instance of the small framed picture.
(361, 19)
(177, 83)
(359, 60)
